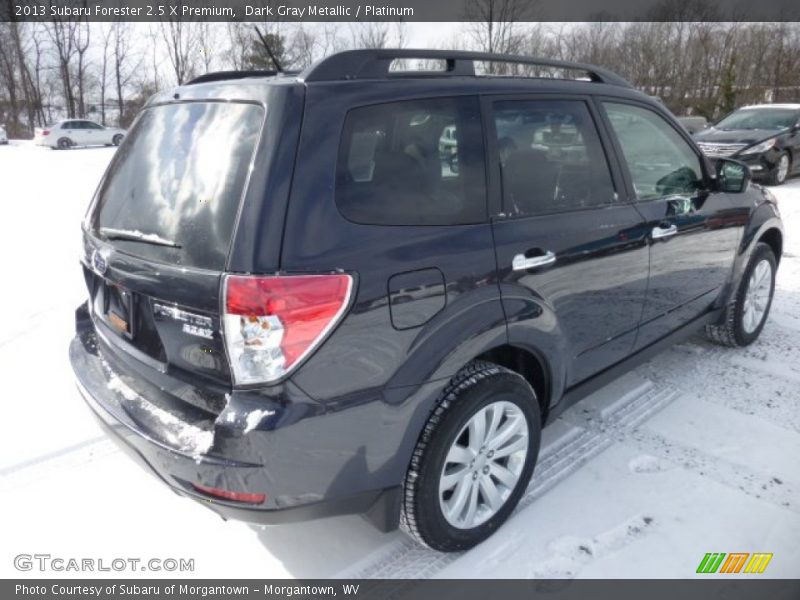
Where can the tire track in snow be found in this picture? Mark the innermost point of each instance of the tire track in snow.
(407, 559)
(70, 457)
(624, 426)
(756, 381)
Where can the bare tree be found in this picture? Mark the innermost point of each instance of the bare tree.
(107, 35)
(125, 64)
(302, 47)
(62, 36)
(183, 44)
(494, 27)
(9, 85)
(82, 40)
(381, 34)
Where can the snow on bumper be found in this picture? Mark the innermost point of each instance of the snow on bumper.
(253, 447)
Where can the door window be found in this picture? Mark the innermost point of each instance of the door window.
(417, 162)
(551, 157)
(660, 161)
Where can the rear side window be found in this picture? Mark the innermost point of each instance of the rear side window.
(551, 157)
(417, 162)
(179, 178)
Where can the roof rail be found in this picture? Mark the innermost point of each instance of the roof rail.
(375, 64)
(223, 75)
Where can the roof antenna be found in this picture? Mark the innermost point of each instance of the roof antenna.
(274, 60)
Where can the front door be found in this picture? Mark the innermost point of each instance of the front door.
(693, 230)
(572, 252)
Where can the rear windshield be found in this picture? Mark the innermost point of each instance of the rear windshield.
(177, 181)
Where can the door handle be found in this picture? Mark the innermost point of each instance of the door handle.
(523, 263)
(663, 232)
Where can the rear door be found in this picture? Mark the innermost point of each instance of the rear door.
(157, 239)
(568, 241)
(71, 130)
(692, 229)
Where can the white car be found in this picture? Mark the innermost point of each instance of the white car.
(3, 136)
(77, 132)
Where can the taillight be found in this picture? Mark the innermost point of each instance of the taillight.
(272, 323)
(46, 132)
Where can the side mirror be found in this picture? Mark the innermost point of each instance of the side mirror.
(733, 176)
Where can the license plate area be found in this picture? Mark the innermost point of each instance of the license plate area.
(116, 308)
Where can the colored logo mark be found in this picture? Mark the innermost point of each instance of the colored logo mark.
(735, 562)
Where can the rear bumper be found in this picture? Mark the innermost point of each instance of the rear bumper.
(274, 457)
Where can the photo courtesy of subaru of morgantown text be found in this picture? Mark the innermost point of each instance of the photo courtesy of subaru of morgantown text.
(405, 281)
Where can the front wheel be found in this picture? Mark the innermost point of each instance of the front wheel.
(747, 311)
(780, 173)
(473, 460)
(117, 139)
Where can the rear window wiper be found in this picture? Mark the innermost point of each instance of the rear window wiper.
(136, 236)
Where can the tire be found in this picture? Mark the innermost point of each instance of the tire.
(736, 328)
(64, 143)
(117, 139)
(484, 389)
(780, 173)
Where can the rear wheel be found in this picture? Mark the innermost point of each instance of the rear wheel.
(65, 143)
(474, 459)
(780, 173)
(747, 311)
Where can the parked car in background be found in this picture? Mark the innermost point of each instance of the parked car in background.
(693, 124)
(765, 136)
(77, 132)
(321, 317)
(3, 135)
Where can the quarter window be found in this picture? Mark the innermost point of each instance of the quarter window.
(416, 162)
(551, 157)
(660, 161)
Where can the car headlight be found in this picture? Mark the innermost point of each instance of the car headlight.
(759, 148)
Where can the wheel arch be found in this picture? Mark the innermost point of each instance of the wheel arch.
(774, 239)
(527, 363)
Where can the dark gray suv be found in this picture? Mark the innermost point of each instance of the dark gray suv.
(301, 303)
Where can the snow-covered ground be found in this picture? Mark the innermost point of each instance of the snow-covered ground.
(696, 451)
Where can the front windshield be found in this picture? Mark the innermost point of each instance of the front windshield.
(760, 118)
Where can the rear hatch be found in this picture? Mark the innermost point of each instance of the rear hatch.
(156, 242)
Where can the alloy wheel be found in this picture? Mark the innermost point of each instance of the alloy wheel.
(783, 168)
(756, 297)
(483, 465)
